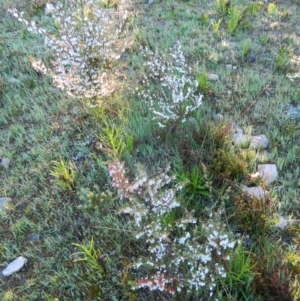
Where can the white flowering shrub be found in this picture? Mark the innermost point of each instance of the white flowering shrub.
(168, 88)
(189, 255)
(89, 41)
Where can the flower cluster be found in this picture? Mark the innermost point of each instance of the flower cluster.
(168, 88)
(189, 255)
(89, 41)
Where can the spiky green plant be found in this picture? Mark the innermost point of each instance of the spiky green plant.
(64, 173)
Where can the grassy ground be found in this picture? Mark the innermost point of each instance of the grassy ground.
(58, 179)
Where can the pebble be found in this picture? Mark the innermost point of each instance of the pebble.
(282, 223)
(259, 142)
(34, 237)
(219, 117)
(213, 76)
(268, 172)
(4, 201)
(5, 162)
(14, 266)
(256, 193)
(293, 112)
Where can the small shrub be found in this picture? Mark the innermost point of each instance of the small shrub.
(168, 88)
(229, 164)
(182, 254)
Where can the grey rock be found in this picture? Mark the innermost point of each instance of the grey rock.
(219, 117)
(4, 201)
(74, 111)
(256, 193)
(14, 266)
(239, 130)
(282, 223)
(34, 237)
(229, 66)
(268, 172)
(5, 162)
(213, 76)
(293, 112)
(259, 142)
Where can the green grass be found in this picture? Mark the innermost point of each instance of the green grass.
(39, 125)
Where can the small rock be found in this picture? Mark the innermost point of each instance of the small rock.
(252, 59)
(229, 66)
(239, 130)
(256, 193)
(192, 121)
(283, 223)
(219, 117)
(263, 156)
(4, 201)
(234, 67)
(34, 237)
(268, 172)
(74, 111)
(293, 112)
(259, 142)
(14, 266)
(5, 162)
(213, 76)
(240, 139)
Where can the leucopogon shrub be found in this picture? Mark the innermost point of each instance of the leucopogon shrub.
(189, 255)
(168, 87)
(89, 41)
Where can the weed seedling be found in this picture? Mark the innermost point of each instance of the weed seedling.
(90, 255)
(64, 173)
(223, 6)
(203, 82)
(216, 26)
(283, 63)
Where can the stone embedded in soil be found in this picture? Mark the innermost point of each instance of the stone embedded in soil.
(219, 117)
(213, 76)
(293, 112)
(14, 266)
(4, 201)
(34, 237)
(282, 223)
(259, 142)
(5, 162)
(268, 172)
(256, 193)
